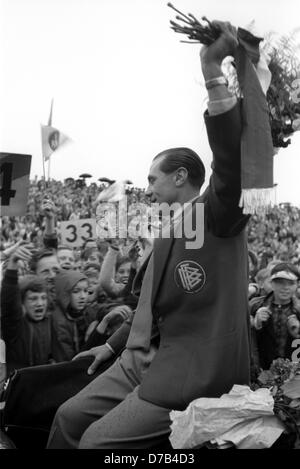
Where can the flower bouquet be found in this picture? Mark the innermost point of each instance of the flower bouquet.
(264, 415)
(283, 379)
(282, 95)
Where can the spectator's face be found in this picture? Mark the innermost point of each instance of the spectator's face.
(66, 259)
(35, 305)
(93, 284)
(284, 289)
(77, 266)
(79, 295)
(47, 268)
(94, 258)
(91, 244)
(122, 273)
(92, 273)
(162, 187)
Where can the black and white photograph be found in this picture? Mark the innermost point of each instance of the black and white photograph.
(150, 227)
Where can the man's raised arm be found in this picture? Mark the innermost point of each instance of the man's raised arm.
(224, 127)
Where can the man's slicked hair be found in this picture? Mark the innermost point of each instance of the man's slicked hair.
(181, 157)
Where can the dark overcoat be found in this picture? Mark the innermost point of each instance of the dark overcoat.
(200, 296)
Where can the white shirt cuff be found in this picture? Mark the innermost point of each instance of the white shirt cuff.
(110, 348)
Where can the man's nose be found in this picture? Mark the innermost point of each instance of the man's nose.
(148, 191)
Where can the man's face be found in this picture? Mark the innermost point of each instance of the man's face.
(35, 305)
(66, 258)
(79, 296)
(284, 289)
(91, 244)
(94, 257)
(162, 187)
(48, 267)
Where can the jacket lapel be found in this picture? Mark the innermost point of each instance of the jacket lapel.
(138, 279)
(161, 251)
(162, 248)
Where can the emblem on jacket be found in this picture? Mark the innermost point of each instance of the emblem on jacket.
(190, 276)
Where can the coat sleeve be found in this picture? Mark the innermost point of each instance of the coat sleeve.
(11, 307)
(50, 241)
(118, 340)
(224, 216)
(107, 275)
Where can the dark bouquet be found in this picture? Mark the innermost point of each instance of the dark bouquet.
(283, 379)
(284, 65)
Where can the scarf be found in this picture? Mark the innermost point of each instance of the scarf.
(257, 188)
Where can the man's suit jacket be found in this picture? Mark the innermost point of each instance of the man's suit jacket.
(199, 296)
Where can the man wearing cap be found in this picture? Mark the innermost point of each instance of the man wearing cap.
(276, 316)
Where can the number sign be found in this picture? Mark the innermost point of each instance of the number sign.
(14, 183)
(75, 232)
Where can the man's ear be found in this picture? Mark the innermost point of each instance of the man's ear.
(181, 176)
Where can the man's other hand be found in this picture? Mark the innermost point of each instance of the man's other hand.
(101, 354)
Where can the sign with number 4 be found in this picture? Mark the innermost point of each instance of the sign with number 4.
(14, 183)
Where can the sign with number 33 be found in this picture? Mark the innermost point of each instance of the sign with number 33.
(75, 232)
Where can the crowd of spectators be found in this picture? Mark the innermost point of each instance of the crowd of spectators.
(58, 301)
(276, 235)
(73, 200)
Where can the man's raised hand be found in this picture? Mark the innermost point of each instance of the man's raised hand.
(22, 250)
(48, 208)
(222, 47)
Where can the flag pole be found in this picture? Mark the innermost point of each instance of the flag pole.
(50, 124)
(49, 168)
(44, 171)
(50, 115)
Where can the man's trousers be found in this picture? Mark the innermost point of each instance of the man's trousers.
(108, 414)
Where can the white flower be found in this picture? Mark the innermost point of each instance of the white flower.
(296, 124)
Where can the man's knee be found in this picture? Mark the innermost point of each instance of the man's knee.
(67, 412)
(65, 431)
(92, 438)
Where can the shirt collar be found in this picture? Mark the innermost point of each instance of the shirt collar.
(178, 213)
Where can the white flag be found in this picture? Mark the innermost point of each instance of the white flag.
(52, 139)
